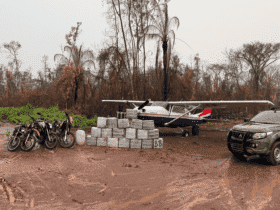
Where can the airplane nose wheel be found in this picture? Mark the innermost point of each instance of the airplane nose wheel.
(185, 133)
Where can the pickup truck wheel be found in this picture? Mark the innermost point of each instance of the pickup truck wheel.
(274, 156)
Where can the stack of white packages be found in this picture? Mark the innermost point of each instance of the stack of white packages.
(142, 133)
(123, 141)
(113, 132)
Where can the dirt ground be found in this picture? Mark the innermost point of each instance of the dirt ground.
(194, 173)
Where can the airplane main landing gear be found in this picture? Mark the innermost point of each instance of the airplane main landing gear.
(195, 130)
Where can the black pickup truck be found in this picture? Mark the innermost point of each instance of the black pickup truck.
(259, 137)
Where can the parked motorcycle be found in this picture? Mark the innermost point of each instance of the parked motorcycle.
(62, 130)
(16, 136)
(29, 139)
(46, 133)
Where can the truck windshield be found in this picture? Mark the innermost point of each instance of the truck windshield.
(267, 117)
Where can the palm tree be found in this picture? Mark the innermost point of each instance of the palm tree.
(81, 58)
(161, 30)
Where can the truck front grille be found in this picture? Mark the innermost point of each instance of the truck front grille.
(237, 147)
(238, 135)
(236, 140)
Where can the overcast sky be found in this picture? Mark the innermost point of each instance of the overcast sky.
(209, 27)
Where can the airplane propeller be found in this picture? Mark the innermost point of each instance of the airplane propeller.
(166, 124)
(144, 104)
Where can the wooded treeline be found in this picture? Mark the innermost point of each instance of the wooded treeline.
(119, 71)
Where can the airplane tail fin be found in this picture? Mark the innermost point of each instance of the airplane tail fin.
(205, 113)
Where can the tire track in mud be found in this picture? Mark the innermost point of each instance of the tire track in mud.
(187, 193)
(14, 195)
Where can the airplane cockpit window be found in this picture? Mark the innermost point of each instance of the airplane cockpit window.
(179, 109)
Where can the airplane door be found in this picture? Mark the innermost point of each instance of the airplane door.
(169, 108)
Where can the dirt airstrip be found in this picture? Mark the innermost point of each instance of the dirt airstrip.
(197, 172)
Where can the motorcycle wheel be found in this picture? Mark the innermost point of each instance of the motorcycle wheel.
(39, 139)
(28, 144)
(51, 144)
(13, 143)
(70, 141)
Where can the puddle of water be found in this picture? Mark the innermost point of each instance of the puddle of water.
(242, 186)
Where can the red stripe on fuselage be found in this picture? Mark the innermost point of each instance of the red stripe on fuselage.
(205, 112)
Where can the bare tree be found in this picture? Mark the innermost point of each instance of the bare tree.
(133, 16)
(258, 56)
(119, 13)
(13, 48)
(234, 70)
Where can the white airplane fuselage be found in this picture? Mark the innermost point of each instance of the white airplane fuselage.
(160, 115)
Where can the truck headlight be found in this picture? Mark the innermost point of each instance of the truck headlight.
(261, 135)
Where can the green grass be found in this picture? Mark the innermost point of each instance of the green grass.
(52, 113)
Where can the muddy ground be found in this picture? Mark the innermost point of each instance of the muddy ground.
(193, 173)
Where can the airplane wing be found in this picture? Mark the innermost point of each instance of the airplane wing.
(216, 103)
(125, 101)
(202, 103)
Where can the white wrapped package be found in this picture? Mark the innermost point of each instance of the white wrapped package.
(123, 123)
(153, 134)
(135, 143)
(106, 132)
(95, 132)
(101, 122)
(113, 142)
(124, 142)
(131, 113)
(91, 140)
(136, 123)
(130, 133)
(112, 122)
(158, 143)
(142, 134)
(119, 133)
(148, 125)
(80, 137)
(101, 142)
(147, 143)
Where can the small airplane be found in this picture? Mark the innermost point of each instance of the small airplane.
(178, 114)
